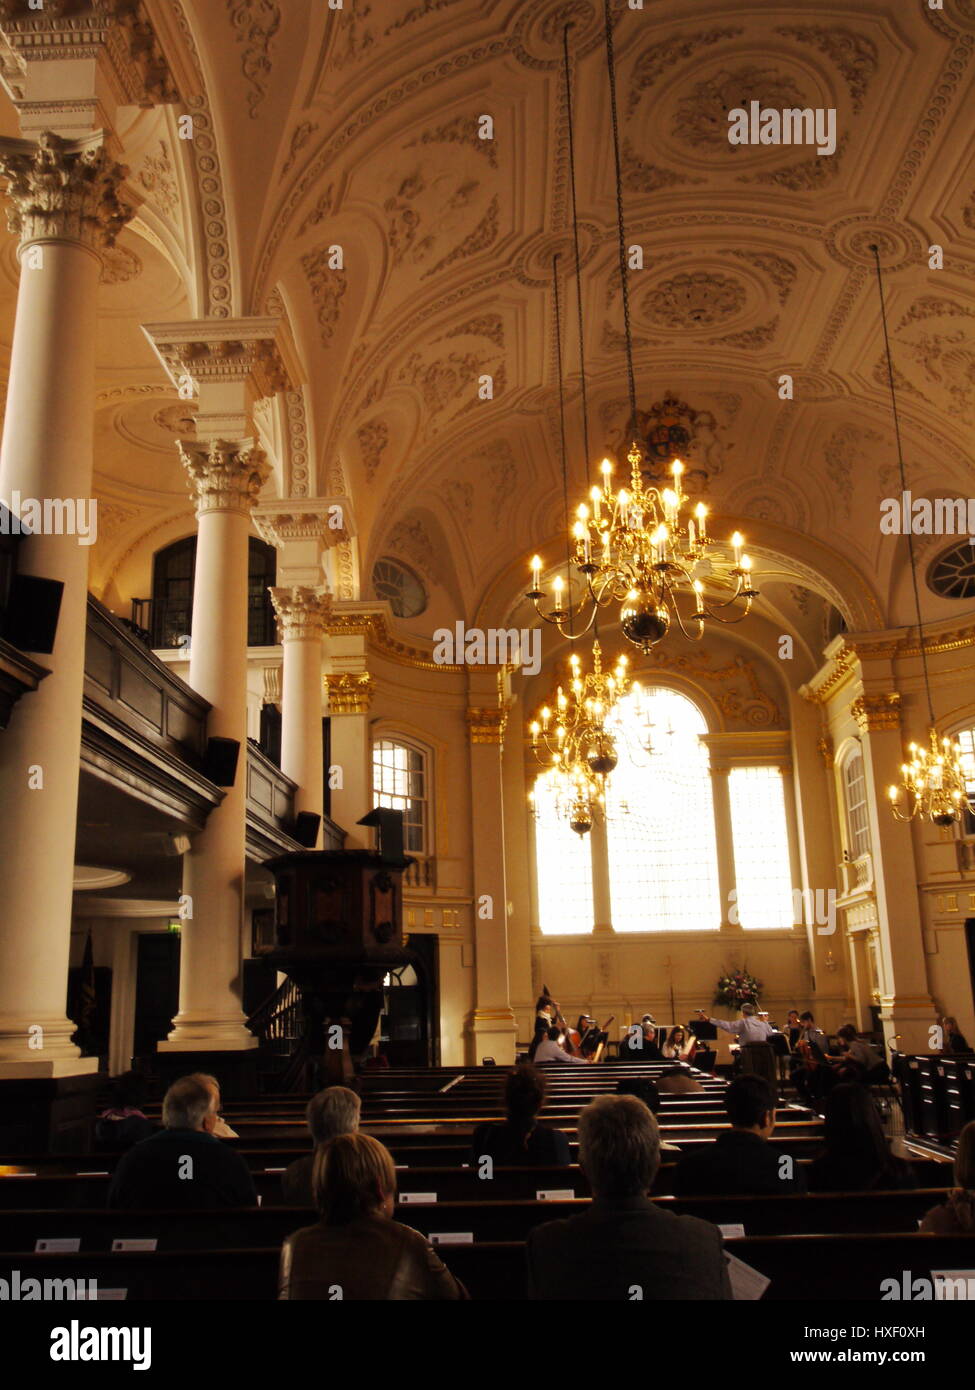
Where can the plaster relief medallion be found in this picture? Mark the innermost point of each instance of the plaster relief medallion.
(701, 116)
(849, 240)
(534, 264)
(119, 265)
(537, 40)
(693, 300)
(176, 420)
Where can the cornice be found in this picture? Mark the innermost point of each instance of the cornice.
(258, 350)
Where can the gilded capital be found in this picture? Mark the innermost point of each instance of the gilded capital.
(63, 190)
(301, 612)
(225, 476)
(876, 713)
(487, 725)
(349, 692)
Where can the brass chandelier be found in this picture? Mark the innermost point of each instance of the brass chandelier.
(933, 780)
(641, 546)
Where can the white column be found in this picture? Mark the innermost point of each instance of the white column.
(301, 612)
(906, 1007)
(349, 689)
(493, 1027)
(64, 206)
(226, 478)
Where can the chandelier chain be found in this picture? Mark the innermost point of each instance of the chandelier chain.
(611, 65)
(900, 463)
(575, 243)
(565, 478)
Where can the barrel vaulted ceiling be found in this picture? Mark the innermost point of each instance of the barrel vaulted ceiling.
(358, 128)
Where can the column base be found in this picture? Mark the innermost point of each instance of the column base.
(49, 1113)
(202, 1034)
(235, 1069)
(906, 1021)
(493, 1033)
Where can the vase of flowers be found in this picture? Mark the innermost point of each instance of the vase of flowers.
(737, 987)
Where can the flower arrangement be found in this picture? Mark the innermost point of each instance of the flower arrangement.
(737, 987)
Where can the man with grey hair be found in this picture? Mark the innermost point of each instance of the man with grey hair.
(329, 1113)
(629, 1247)
(183, 1165)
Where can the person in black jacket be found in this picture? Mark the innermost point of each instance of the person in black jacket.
(520, 1139)
(856, 1157)
(623, 1246)
(183, 1165)
(741, 1160)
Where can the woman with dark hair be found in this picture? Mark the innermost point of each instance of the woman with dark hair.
(356, 1250)
(679, 1047)
(953, 1040)
(856, 1157)
(122, 1123)
(957, 1215)
(519, 1139)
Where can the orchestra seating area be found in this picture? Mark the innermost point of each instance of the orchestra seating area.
(803, 1244)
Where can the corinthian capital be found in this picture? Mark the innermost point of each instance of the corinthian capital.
(225, 476)
(301, 611)
(63, 189)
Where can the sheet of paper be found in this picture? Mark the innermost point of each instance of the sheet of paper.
(953, 1285)
(747, 1284)
(732, 1232)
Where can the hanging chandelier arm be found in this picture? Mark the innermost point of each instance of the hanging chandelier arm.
(900, 463)
(611, 67)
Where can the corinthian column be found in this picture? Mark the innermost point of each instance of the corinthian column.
(301, 612)
(226, 478)
(230, 364)
(64, 206)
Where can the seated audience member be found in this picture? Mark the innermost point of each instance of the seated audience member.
(623, 1240)
(640, 1044)
(953, 1040)
(859, 1059)
(679, 1047)
(220, 1130)
(520, 1139)
(183, 1165)
(740, 1160)
(122, 1123)
(331, 1112)
(676, 1081)
(957, 1215)
(856, 1157)
(551, 1050)
(356, 1248)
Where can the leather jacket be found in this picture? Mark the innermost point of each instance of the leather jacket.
(372, 1257)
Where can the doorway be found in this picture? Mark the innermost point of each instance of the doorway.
(156, 989)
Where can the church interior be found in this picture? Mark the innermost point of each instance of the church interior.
(486, 553)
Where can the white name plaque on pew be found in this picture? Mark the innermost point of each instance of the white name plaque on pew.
(134, 1243)
(734, 1232)
(61, 1246)
(451, 1237)
(423, 1199)
(555, 1194)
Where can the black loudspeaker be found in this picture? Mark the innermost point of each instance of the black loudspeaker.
(305, 829)
(31, 619)
(220, 761)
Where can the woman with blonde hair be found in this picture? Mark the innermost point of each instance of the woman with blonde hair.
(357, 1251)
(957, 1215)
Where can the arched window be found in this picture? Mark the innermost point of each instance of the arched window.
(400, 782)
(966, 741)
(659, 850)
(173, 572)
(855, 797)
(760, 833)
(564, 868)
(660, 829)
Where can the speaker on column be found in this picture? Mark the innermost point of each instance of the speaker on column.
(305, 829)
(31, 619)
(220, 761)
